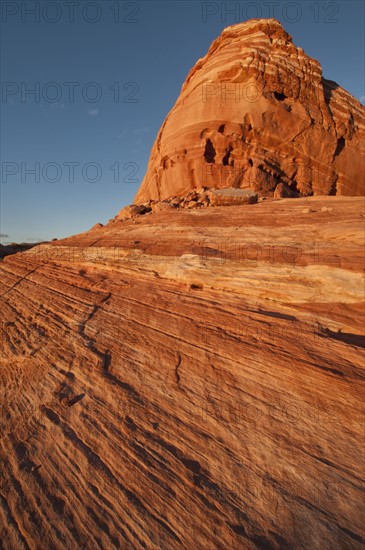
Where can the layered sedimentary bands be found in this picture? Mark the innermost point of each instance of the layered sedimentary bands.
(190, 376)
(187, 379)
(256, 112)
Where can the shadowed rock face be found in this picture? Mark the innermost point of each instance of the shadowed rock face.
(6, 250)
(187, 379)
(256, 112)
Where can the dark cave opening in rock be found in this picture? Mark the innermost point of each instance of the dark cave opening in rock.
(225, 160)
(209, 152)
(279, 96)
(221, 128)
(293, 186)
(340, 146)
(333, 190)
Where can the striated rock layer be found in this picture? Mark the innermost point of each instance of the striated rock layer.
(256, 112)
(187, 379)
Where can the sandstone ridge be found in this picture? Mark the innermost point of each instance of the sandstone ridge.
(192, 378)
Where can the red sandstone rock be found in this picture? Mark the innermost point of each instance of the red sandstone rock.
(193, 378)
(158, 206)
(96, 226)
(132, 210)
(191, 381)
(231, 197)
(254, 112)
(284, 192)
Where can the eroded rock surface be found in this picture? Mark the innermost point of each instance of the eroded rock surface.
(256, 112)
(189, 378)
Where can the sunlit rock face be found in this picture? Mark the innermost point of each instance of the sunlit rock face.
(256, 112)
(187, 379)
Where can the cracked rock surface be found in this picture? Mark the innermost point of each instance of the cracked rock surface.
(191, 378)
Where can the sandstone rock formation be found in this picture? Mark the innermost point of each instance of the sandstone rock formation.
(191, 375)
(190, 378)
(256, 112)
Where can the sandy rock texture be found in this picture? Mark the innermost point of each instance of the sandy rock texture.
(188, 378)
(256, 112)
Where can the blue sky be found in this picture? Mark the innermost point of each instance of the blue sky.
(105, 76)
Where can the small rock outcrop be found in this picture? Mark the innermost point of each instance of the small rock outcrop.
(201, 198)
(132, 210)
(256, 113)
(230, 197)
